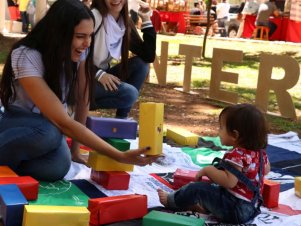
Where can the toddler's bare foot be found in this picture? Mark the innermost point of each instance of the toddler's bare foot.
(162, 197)
(198, 208)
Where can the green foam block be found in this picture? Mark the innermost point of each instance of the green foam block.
(120, 144)
(157, 218)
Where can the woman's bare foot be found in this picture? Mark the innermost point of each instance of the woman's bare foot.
(162, 197)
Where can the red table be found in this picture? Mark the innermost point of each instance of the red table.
(287, 30)
(175, 18)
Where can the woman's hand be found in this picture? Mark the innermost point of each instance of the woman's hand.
(144, 12)
(138, 157)
(110, 82)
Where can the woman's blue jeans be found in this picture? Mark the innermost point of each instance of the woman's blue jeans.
(124, 98)
(31, 145)
(215, 199)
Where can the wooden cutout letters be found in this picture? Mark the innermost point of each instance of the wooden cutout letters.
(265, 80)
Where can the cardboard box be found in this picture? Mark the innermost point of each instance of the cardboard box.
(117, 208)
(113, 127)
(111, 180)
(270, 194)
(37, 215)
(157, 218)
(151, 116)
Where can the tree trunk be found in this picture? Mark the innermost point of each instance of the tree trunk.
(209, 3)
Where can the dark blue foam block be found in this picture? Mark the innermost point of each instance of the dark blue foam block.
(277, 154)
(285, 178)
(89, 189)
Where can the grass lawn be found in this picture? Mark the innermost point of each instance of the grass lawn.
(247, 70)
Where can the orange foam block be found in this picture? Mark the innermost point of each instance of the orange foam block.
(270, 194)
(28, 185)
(111, 180)
(117, 208)
(5, 171)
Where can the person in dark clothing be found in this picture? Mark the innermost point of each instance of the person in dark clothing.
(266, 10)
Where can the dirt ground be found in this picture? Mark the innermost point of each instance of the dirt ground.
(190, 111)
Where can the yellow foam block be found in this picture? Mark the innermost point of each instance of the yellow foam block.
(37, 215)
(182, 136)
(151, 127)
(100, 162)
(298, 186)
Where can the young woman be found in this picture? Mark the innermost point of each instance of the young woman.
(46, 71)
(115, 35)
(229, 199)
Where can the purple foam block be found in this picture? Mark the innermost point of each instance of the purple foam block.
(112, 127)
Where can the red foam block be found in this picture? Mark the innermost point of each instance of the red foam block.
(111, 180)
(270, 194)
(117, 208)
(28, 185)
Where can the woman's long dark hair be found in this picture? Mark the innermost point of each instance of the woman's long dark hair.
(101, 6)
(52, 37)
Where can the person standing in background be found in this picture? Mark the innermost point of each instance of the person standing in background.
(196, 10)
(14, 13)
(250, 8)
(222, 14)
(31, 10)
(24, 16)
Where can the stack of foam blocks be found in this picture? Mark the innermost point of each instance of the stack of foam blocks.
(15, 194)
(107, 172)
(113, 175)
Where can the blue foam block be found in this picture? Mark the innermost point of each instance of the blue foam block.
(12, 203)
